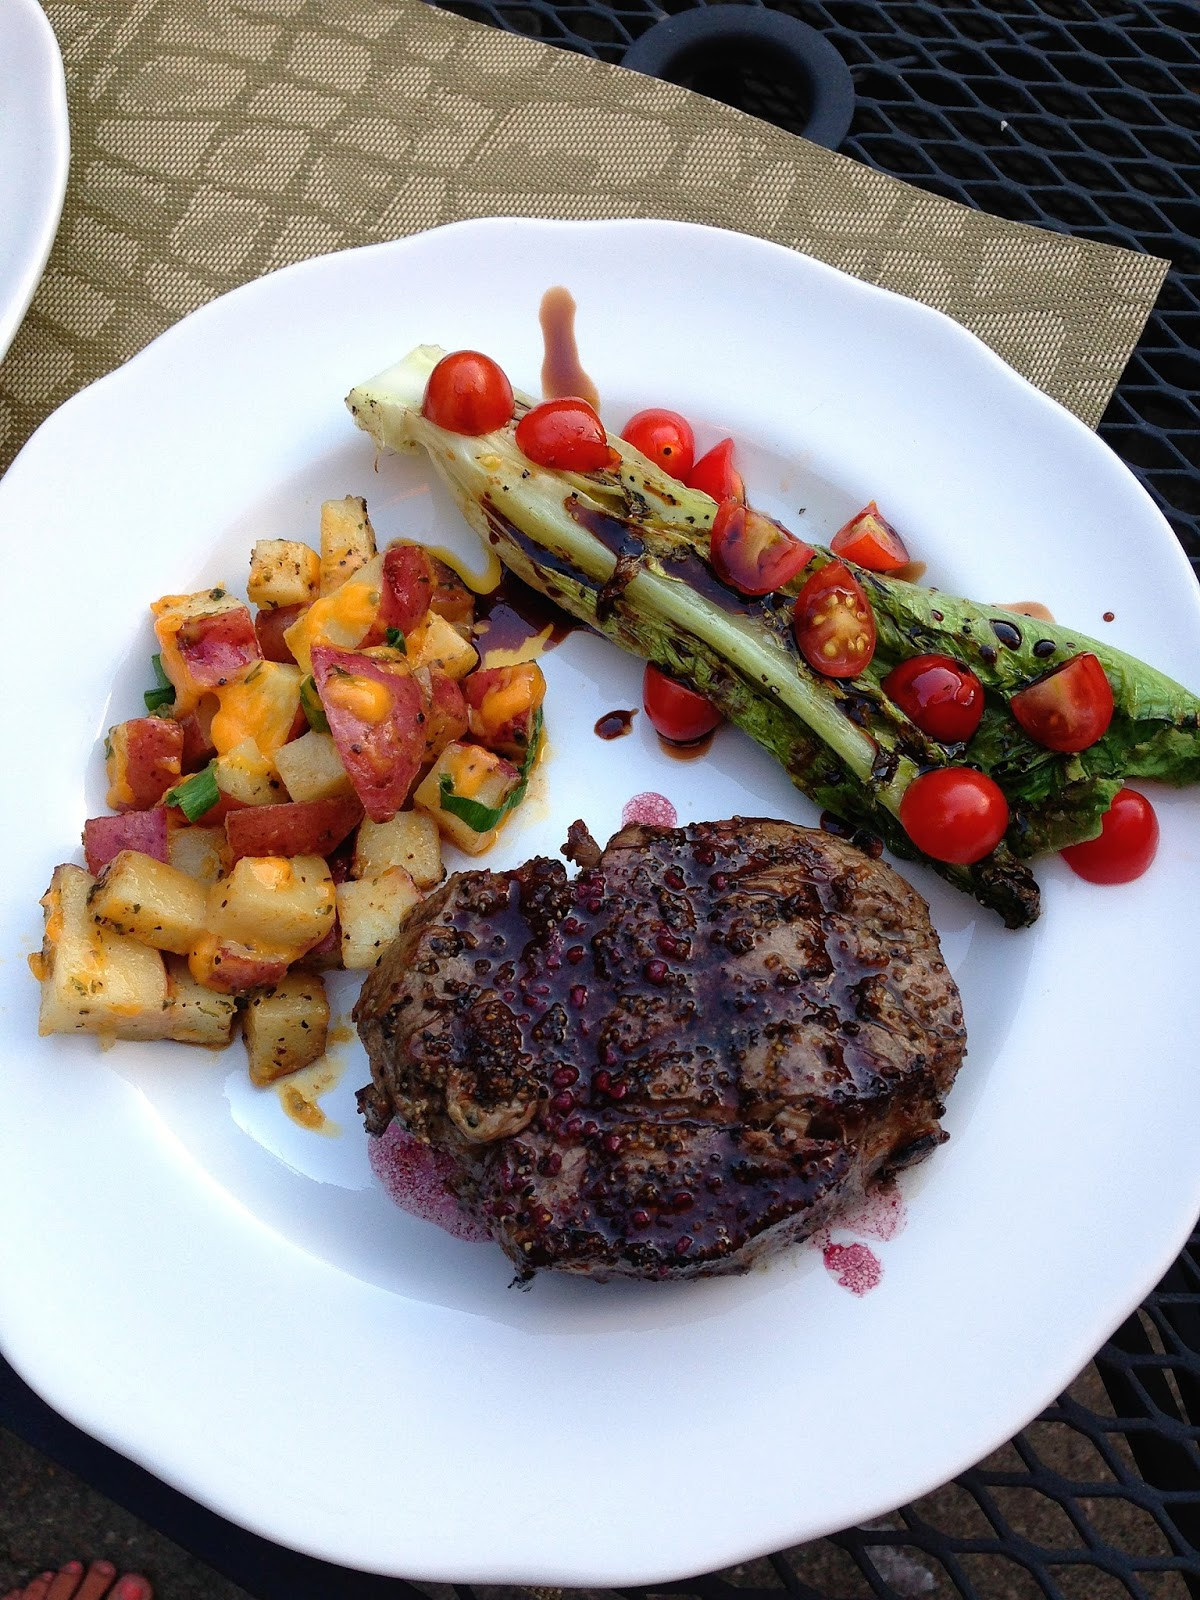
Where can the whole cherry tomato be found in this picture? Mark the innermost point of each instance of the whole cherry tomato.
(715, 474)
(939, 694)
(954, 814)
(468, 393)
(834, 623)
(870, 541)
(1070, 708)
(675, 711)
(1126, 845)
(566, 434)
(752, 553)
(663, 437)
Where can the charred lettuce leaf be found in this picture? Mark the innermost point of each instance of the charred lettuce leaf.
(625, 550)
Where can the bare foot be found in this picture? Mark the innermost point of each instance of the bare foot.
(99, 1582)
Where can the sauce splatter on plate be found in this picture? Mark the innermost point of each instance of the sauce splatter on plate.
(650, 809)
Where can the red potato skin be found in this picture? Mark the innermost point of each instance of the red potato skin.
(198, 748)
(269, 628)
(415, 582)
(512, 737)
(451, 597)
(341, 861)
(382, 757)
(146, 761)
(106, 837)
(446, 716)
(218, 647)
(294, 828)
(227, 967)
(326, 956)
(406, 590)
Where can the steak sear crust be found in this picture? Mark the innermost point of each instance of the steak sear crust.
(694, 1052)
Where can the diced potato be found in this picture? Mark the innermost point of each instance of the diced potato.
(143, 759)
(283, 572)
(504, 702)
(347, 541)
(201, 852)
(205, 639)
(287, 1027)
(194, 1014)
(270, 629)
(263, 706)
(342, 618)
(376, 713)
(244, 774)
(312, 769)
(370, 911)
(326, 956)
(446, 713)
(94, 980)
(106, 837)
(228, 966)
(283, 903)
(294, 828)
(156, 903)
(475, 774)
(409, 580)
(198, 748)
(410, 840)
(438, 644)
(451, 597)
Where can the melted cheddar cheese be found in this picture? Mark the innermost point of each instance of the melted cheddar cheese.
(262, 707)
(364, 698)
(343, 618)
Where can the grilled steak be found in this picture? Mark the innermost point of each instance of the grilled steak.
(696, 1050)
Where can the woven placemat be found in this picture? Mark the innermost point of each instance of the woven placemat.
(216, 140)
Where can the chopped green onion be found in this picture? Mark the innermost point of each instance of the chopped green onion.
(163, 693)
(395, 638)
(310, 704)
(480, 818)
(197, 794)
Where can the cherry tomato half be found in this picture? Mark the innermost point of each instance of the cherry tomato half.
(834, 623)
(468, 393)
(1070, 708)
(566, 434)
(752, 553)
(715, 474)
(663, 437)
(1126, 845)
(870, 541)
(939, 694)
(954, 814)
(676, 712)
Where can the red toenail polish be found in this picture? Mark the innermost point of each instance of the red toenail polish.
(73, 1567)
(131, 1587)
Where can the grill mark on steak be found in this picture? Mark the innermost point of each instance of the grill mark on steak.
(696, 1051)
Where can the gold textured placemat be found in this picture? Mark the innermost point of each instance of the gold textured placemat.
(215, 140)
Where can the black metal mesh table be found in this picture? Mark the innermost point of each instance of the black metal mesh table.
(1079, 115)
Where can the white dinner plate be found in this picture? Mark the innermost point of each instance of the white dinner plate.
(232, 1301)
(34, 152)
